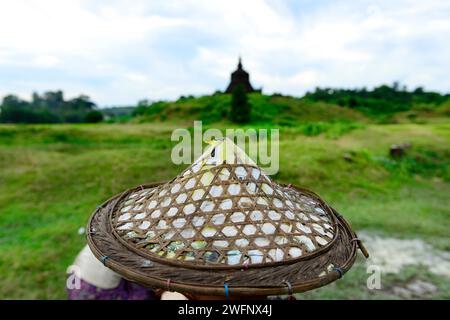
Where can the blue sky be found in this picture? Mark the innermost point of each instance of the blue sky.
(119, 52)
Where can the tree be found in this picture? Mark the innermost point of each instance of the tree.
(240, 107)
(48, 108)
(13, 109)
(54, 100)
(81, 103)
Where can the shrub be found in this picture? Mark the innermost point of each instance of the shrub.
(93, 116)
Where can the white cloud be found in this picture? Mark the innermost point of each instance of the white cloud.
(46, 61)
(120, 52)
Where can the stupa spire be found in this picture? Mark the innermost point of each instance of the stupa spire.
(240, 77)
(240, 63)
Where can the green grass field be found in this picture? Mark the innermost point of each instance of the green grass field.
(53, 176)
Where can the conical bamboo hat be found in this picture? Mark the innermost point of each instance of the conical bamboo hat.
(223, 213)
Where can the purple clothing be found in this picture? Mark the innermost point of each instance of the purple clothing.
(126, 290)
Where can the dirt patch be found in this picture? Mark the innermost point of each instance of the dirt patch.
(414, 289)
(392, 254)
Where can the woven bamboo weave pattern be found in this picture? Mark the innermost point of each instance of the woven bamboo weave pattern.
(224, 214)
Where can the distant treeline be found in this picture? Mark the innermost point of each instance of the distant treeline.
(49, 107)
(380, 100)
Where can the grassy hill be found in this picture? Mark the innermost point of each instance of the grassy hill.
(266, 110)
(278, 110)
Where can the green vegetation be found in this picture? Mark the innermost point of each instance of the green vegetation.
(118, 114)
(265, 111)
(314, 111)
(53, 176)
(49, 108)
(380, 102)
(383, 104)
(93, 116)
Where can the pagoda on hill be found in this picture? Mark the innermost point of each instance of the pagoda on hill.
(240, 76)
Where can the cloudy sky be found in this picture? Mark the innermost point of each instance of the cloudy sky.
(119, 52)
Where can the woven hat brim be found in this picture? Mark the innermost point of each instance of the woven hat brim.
(297, 277)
